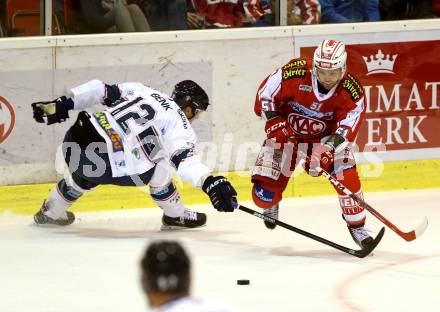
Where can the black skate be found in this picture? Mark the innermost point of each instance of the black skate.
(272, 213)
(41, 219)
(360, 236)
(189, 220)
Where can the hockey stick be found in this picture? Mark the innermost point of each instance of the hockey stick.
(408, 236)
(361, 253)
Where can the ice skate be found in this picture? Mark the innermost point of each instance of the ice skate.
(189, 220)
(41, 218)
(272, 213)
(360, 235)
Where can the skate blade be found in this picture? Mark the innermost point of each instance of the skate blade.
(177, 228)
(48, 225)
(53, 224)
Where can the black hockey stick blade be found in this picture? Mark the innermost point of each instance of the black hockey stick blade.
(360, 253)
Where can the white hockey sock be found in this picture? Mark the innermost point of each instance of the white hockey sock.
(353, 214)
(168, 198)
(164, 192)
(57, 205)
(61, 198)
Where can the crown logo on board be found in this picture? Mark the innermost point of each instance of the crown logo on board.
(380, 63)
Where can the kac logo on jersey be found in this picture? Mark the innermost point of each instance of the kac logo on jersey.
(7, 119)
(306, 126)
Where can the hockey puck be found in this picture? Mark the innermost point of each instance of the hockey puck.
(243, 282)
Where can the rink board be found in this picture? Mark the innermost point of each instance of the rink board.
(229, 64)
(420, 174)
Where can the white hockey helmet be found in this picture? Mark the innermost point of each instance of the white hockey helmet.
(330, 54)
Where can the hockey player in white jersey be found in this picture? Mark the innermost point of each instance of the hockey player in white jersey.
(166, 280)
(132, 142)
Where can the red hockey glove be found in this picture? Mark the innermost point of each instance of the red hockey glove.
(322, 157)
(278, 128)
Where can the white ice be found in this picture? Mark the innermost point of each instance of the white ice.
(93, 265)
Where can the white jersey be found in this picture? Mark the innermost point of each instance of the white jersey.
(142, 128)
(188, 304)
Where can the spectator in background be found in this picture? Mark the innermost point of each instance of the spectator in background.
(164, 14)
(303, 12)
(259, 12)
(221, 13)
(407, 9)
(436, 7)
(113, 16)
(166, 280)
(349, 11)
(194, 19)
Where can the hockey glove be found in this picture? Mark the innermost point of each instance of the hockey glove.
(278, 128)
(52, 111)
(322, 156)
(222, 194)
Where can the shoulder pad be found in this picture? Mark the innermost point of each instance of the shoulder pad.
(353, 87)
(296, 68)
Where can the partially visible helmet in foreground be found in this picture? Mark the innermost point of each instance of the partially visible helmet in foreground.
(166, 268)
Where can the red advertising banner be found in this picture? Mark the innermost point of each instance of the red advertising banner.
(402, 90)
(7, 119)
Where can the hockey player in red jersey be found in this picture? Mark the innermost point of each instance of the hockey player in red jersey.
(315, 106)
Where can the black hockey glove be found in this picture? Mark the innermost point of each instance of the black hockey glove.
(52, 111)
(222, 194)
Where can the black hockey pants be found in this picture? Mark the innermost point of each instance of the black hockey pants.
(88, 172)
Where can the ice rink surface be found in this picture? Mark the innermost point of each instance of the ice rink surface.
(93, 264)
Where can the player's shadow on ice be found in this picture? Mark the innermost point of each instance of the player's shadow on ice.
(201, 234)
(126, 228)
(379, 256)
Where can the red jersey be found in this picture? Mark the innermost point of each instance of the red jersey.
(293, 92)
(255, 10)
(221, 13)
(309, 10)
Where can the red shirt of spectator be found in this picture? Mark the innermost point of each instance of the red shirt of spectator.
(220, 13)
(436, 7)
